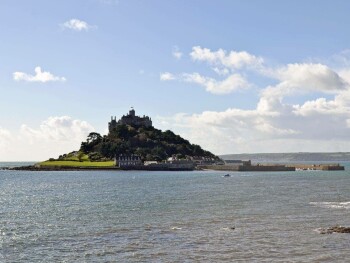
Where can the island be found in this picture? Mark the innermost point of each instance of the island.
(133, 143)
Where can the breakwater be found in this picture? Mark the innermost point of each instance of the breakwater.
(248, 168)
(320, 167)
(273, 167)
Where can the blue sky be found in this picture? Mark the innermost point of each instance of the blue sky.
(232, 76)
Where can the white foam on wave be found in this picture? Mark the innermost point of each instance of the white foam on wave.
(337, 205)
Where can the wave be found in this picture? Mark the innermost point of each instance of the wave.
(337, 205)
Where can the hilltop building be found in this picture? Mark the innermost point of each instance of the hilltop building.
(130, 119)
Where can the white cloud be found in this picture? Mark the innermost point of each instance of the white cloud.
(58, 129)
(300, 79)
(344, 74)
(232, 59)
(77, 25)
(315, 126)
(221, 71)
(4, 135)
(320, 106)
(225, 64)
(176, 53)
(5, 142)
(54, 136)
(319, 121)
(40, 76)
(310, 77)
(232, 83)
(166, 76)
(319, 124)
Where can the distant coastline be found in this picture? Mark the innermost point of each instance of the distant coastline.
(317, 157)
(297, 159)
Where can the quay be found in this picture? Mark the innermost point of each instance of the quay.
(247, 166)
(320, 167)
(251, 168)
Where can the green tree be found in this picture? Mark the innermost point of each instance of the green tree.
(80, 156)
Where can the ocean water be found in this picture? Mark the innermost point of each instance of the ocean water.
(107, 216)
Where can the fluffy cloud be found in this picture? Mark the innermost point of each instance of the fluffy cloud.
(310, 77)
(300, 128)
(232, 59)
(299, 79)
(225, 64)
(320, 106)
(4, 135)
(5, 141)
(54, 136)
(166, 76)
(40, 76)
(77, 25)
(231, 83)
(319, 124)
(58, 129)
(225, 86)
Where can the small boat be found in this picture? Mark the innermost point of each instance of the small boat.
(226, 175)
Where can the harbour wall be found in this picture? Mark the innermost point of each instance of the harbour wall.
(248, 168)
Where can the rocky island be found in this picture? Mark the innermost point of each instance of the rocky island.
(131, 143)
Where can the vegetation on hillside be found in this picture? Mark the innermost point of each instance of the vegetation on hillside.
(77, 164)
(149, 143)
(77, 159)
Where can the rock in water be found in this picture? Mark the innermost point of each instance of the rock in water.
(340, 229)
(335, 229)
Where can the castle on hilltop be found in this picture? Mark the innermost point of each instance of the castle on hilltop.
(130, 119)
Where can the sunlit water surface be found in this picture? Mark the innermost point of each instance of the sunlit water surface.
(108, 216)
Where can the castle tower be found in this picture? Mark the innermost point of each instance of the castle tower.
(113, 124)
(132, 112)
(130, 119)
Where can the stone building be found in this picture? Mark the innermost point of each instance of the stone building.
(129, 160)
(130, 119)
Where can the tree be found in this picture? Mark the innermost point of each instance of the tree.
(80, 156)
(94, 138)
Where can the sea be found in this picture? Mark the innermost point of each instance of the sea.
(199, 216)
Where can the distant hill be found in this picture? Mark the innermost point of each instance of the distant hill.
(290, 157)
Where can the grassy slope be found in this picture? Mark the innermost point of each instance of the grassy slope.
(72, 161)
(77, 164)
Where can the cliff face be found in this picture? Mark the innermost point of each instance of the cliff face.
(148, 142)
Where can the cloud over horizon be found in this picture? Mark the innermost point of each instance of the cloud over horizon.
(40, 76)
(54, 136)
(324, 120)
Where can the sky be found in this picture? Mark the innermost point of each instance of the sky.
(232, 76)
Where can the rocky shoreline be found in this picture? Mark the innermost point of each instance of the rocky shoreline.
(90, 168)
(57, 168)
